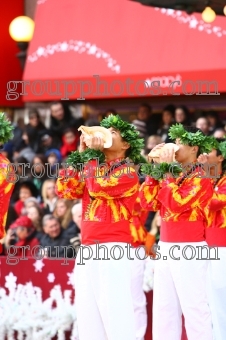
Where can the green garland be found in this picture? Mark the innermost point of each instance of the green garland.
(6, 129)
(90, 154)
(222, 148)
(205, 143)
(77, 157)
(129, 134)
(158, 170)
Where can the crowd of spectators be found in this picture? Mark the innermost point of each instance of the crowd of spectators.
(36, 215)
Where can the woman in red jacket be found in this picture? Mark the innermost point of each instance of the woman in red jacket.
(21, 236)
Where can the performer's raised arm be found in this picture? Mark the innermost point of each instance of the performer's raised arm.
(70, 184)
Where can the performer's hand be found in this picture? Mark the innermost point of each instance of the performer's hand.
(82, 146)
(204, 158)
(96, 143)
(167, 156)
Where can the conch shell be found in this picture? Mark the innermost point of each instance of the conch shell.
(155, 155)
(96, 131)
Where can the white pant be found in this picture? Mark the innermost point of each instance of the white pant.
(103, 296)
(180, 287)
(138, 295)
(217, 294)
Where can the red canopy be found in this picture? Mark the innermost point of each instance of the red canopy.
(125, 44)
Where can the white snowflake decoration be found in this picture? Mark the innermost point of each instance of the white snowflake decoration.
(26, 313)
(77, 46)
(38, 265)
(71, 279)
(51, 277)
(10, 281)
(193, 22)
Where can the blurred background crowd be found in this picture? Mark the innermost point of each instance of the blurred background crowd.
(36, 215)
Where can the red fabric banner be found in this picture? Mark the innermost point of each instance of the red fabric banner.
(117, 41)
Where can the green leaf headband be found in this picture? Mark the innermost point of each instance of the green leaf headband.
(222, 148)
(205, 143)
(6, 129)
(129, 134)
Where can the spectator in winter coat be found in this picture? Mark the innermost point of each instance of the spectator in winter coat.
(22, 234)
(70, 142)
(55, 239)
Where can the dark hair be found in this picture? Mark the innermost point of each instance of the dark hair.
(186, 112)
(39, 127)
(105, 114)
(127, 153)
(34, 112)
(42, 157)
(214, 114)
(67, 112)
(219, 152)
(114, 112)
(20, 159)
(44, 162)
(69, 130)
(147, 106)
(30, 186)
(170, 108)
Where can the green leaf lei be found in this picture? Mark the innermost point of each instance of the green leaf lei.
(205, 143)
(6, 129)
(158, 170)
(77, 158)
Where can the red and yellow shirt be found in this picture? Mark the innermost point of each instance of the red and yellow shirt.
(7, 182)
(107, 202)
(137, 228)
(216, 210)
(140, 235)
(182, 207)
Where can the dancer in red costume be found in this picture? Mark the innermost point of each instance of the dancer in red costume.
(216, 237)
(179, 278)
(7, 179)
(108, 192)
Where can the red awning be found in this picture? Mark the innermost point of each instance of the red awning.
(77, 44)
